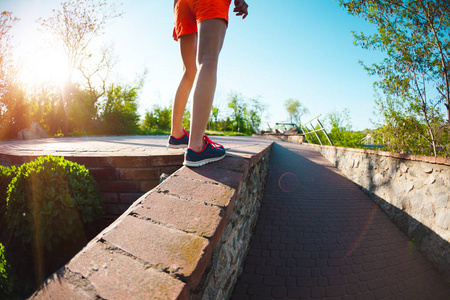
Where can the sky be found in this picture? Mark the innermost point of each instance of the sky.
(299, 49)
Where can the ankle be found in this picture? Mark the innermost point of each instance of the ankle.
(177, 133)
(197, 147)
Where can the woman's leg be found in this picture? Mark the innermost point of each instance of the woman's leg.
(188, 49)
(211, 34)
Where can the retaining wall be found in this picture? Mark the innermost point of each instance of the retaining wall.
(121, 179)
(413, 190)
(185, 239)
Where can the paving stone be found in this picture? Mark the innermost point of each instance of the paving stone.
(200, 191)
(58, 287)
(181, 214)
(115, 275)
(231, 163)
(179, 252)
(209, 174)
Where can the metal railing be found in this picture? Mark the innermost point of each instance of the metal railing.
(308, 131)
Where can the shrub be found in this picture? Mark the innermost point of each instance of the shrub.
(6, 175)
(49, 200)
(6, 280)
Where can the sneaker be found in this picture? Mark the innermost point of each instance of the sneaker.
(182, 142)
(211, 152)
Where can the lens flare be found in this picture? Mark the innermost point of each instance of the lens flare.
(288, 182)
(363, 232)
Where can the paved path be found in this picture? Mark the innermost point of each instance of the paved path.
(318, 236)
(109, 145)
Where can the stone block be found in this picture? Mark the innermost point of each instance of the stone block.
(167, 160)
(116, 275)
(443, 219)
(110, 197)
(209, 174)
(60, 286)
(114, 209)
(177, 252)
(103, 174)
(129, 161)
(139, 173)
(129, 198)
(441, 199)
(120, 186)
(181, 214)
(231, 163)
(147, 185)
(90, 161)
(197, 190)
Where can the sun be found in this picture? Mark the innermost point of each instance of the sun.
(43, 66)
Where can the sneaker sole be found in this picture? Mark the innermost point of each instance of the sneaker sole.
(177, 146)
(202, 162)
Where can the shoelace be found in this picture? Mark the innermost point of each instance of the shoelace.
(213, 144)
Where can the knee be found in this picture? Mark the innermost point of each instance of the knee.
(190, 73)
(208, 60)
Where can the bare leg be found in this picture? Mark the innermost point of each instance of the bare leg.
(188, 49)
(211, 34)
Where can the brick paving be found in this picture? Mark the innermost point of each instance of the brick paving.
(320, 237)
(99, 146)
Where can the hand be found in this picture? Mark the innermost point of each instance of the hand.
(240, 7)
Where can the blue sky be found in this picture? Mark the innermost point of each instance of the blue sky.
(301, 49)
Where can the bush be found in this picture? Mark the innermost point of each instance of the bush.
(6, 281)
(6, 175)
(49, 200)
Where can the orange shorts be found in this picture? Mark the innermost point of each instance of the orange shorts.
(188, 13)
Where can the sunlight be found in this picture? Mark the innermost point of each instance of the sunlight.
(44, 66)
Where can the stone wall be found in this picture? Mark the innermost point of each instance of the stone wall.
(176, 241)
(412, 190)
(228, 257)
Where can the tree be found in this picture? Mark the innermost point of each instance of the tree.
(296, 110)
(74, 26)
(159, 118)
(256, 112)
(415, 35)
(119, 114)
(14, 110)
(341, 133)
(6, 22)
(239, 108)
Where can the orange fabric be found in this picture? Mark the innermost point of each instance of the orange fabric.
(188, 13)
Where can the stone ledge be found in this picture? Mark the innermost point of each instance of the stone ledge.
(419, 158)
(163, 243)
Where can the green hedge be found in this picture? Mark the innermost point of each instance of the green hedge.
(6, 175)
(49, 199)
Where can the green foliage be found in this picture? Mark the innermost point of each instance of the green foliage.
(49, 200)
(295, 110)
(14, 111)
(159, 118)
(339, 131)
(83, 112)
(245, 116)
(6, 175)
(119, 114)
(6, 280)
(415, 75)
